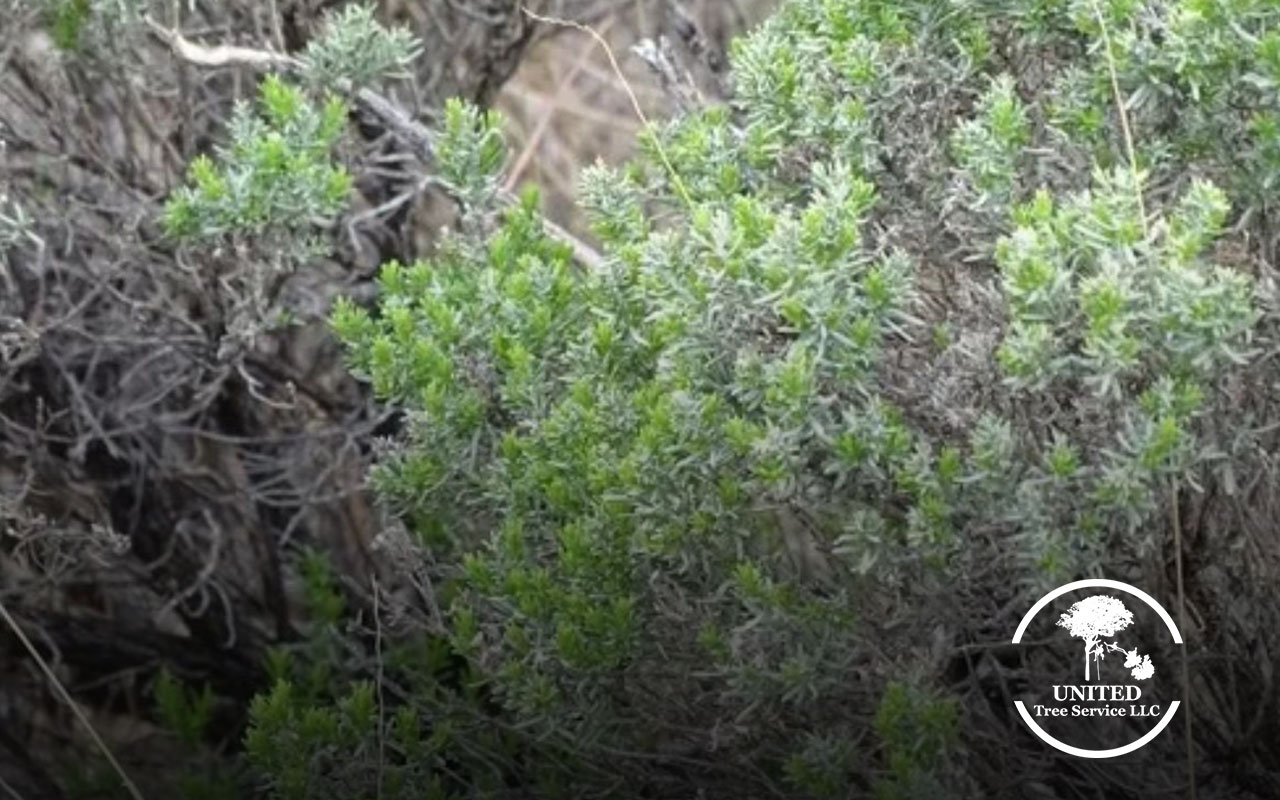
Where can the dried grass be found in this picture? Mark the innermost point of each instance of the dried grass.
(566, 107)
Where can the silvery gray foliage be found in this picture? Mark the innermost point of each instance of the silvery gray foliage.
(707, 471)
(356, 49)
(723, 405)
(15, 225)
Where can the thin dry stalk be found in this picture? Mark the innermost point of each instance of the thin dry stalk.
(544, 121)
(62, 692)
(676, 182)
(1175, 520)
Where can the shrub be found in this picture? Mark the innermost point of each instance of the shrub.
(163, 440)
(690, 515)
(276, 173)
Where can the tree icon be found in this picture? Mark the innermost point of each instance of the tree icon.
(1141, 668)
(1095, 618)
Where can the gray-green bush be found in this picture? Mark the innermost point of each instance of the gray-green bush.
(903, 331)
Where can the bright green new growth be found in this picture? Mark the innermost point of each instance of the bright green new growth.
(66, 19)
(987, 147)
(655, 419)
(901, 328)
(1082, 278)
(181, 711)
(276, 173)
(470, 153)
(698, 458)
(76, 25)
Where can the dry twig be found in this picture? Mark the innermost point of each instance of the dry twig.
(66, 697)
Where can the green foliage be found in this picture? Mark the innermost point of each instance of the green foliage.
(916, 730)
(657, 418)
(66, 19)
(1136, 319)
(185, 713)
(321, 750)
(323, 732)
(86, 27)
(355, 49)
(470, 152)
(987, 147)
(275, 174)
(322, 598)
(665, 500)
(1094, 300)
(825, 766)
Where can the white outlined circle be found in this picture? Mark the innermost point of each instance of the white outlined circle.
(1096, 583)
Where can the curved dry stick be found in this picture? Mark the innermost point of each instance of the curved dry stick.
(626, 86)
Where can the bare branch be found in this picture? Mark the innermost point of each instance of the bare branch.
(220, 55)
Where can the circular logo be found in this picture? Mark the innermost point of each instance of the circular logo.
(1101, 621)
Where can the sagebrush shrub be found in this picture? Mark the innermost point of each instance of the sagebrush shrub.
(677, 509)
